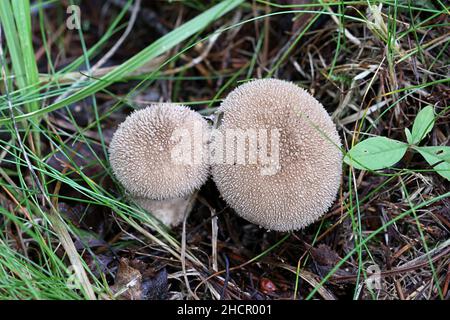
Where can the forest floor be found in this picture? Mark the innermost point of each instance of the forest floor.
(67, 231)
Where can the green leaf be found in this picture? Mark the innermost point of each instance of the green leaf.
(438, 158)
(422, 125)
(408, 136)
(376, 153)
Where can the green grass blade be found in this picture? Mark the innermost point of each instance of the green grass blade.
(157, 48)
(11, 35)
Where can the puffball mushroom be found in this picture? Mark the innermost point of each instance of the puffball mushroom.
(295, 188)
(158, 153)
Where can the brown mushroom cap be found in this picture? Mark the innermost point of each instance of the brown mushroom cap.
(310, 161)
(141, 152)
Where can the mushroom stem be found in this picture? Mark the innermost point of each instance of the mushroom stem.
(169, 211)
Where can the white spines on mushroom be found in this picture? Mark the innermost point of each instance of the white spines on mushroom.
(307, 175)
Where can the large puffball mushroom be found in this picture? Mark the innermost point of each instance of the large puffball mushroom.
(296, 174)
(160, 153)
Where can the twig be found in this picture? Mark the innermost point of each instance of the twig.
(227, 277)
(183, 247)
(150, 17)
(214, 230)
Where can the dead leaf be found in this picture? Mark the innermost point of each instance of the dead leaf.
(324, 255)
(128, 282)
(156, 287)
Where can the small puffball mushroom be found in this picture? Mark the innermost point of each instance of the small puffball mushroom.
(295, 177)
(160, 153)
(143, 152)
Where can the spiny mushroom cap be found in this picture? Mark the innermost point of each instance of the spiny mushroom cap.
(310, 161)
(141, 152)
